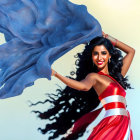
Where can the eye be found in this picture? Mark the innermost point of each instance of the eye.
(95, 53)
(104, 52)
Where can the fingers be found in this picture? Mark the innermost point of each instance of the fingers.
(103, 34)
(53, 72)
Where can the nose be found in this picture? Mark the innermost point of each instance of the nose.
(99, 57)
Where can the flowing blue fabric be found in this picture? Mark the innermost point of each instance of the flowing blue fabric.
(38, 32)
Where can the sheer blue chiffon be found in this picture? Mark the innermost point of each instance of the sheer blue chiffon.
(38, 32)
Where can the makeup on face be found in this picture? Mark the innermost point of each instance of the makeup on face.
(100, 56)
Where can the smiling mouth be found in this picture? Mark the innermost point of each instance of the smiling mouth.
(100, 63)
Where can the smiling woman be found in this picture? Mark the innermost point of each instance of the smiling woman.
(100, 56)
(98, 79)
(119, 18)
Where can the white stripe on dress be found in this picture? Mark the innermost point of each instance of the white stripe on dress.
(113, 98)
(127, 135)
(115, 111)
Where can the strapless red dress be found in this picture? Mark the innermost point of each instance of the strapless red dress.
(116, 124)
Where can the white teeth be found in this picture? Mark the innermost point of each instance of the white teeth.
(99, 62)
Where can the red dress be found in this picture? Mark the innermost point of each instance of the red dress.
(116, 123)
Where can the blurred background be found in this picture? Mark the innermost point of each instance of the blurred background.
(120, 19)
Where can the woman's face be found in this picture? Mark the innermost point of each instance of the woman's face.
(100, 56)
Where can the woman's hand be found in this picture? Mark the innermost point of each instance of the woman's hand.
(130, 52)
(53, 72)
(83, 85)
(103, 34)
(112, 39)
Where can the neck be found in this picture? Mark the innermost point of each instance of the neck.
(104, 71)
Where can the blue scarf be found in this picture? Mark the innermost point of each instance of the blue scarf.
(37, 33)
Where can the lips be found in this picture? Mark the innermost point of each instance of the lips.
(100, 62)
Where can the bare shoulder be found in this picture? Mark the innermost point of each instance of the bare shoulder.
(92, 76)
(98, 78)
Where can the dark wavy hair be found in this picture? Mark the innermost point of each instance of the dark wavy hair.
(70, 104)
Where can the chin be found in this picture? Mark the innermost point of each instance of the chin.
(100, 67)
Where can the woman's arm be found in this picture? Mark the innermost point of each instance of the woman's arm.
(83, 85)
(130, 52)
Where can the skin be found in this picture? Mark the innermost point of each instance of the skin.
(101, 54)
(99, 82)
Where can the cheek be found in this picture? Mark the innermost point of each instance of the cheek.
(94, 58)
(106, 57)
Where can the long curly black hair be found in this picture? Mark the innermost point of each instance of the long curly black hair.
(70, 104)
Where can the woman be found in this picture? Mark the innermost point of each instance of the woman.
(99, 76)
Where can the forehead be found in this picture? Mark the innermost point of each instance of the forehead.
(100, 48)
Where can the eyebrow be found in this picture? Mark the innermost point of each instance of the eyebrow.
(101, 51)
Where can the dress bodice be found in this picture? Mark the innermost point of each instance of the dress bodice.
(116, 123)
(114, 88)
(113, 98)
